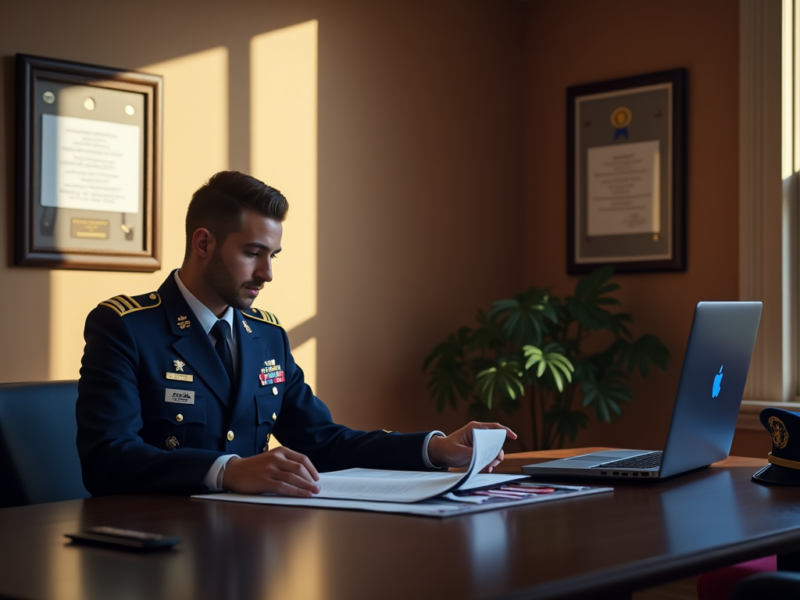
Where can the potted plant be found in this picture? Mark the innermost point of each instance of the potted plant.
(534, 347)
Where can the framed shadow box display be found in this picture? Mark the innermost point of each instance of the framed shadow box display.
(88, 166)
(626, 166)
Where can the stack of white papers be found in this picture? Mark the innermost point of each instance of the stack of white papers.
(413, 486)
(423, 492)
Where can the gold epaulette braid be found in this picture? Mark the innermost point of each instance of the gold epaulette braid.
(262, 315)
(125, 305)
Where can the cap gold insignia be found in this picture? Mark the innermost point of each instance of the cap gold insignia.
(172, 442)
(246, 327)
(153, 296)
(780, 436)
(183, 322)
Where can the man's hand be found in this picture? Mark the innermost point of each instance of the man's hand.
(455, 450)
(279, 471)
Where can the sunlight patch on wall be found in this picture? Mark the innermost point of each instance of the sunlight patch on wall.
(195, 147)
(283, 82)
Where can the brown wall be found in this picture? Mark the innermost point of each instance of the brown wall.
(584, 41)
(419, 174)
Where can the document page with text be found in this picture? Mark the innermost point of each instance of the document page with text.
(413, 486)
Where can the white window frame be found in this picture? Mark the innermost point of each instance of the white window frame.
(769, 161)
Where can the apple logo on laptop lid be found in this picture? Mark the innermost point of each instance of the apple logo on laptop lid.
(715, 390)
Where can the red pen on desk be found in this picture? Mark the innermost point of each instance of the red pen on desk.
(530, 489)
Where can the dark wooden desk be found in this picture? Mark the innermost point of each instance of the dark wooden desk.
(607, 545)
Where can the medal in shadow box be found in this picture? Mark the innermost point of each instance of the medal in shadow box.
(88, 172)
(626, 174)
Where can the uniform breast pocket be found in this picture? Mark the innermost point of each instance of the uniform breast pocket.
(268, 407)
(173, 418)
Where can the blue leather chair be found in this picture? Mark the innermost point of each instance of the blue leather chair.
(38, 457)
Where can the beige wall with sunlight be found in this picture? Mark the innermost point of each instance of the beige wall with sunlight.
(393, 129)
(196, 127)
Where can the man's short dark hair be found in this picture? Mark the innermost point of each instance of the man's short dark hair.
(219, 205)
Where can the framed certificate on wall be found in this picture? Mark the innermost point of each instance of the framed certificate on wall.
(88, 166)
(626, 174)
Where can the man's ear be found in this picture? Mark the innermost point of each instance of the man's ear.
(203, 243)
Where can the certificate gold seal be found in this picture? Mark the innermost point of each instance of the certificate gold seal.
(621, 117)
(780, 437)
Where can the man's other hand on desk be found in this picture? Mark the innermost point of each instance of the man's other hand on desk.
(279, 471)
(455, 450)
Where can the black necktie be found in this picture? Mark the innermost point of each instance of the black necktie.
(222, 331)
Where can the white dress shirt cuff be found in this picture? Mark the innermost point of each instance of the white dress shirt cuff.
(425, 458)
(213, 479)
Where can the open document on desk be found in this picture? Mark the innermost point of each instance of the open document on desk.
(423, 492)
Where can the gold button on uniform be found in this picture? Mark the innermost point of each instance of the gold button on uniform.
(179, 418)
(230, 436)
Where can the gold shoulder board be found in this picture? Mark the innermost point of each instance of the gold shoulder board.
(262, 315)
(125, 305)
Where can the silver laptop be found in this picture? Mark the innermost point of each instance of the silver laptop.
(706, 408)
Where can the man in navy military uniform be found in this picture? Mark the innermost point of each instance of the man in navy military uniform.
(181, 389)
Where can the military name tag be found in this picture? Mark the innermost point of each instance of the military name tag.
(179, 396)
(180, 377)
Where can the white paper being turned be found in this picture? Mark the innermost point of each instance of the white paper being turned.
(623, 189)
(412, 486)
(90, 165)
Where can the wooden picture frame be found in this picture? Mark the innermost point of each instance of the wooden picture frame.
(88, 166)
(626, 174)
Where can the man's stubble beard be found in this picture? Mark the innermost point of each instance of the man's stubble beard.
(224, 285)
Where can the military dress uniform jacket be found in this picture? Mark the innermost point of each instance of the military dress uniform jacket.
(155, 407)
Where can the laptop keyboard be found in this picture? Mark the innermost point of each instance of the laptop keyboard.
(642, 461)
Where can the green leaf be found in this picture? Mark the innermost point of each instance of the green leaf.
(523, 316)
(643, 352)
(542, 366)
(606, 393)
(618, 325)
(591, 294)
(503, 380)
(551, 357)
